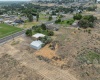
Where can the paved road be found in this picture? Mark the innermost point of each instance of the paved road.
(7, 38)
(12, 36)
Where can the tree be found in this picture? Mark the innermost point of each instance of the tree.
(30, 17)
(43, 26)
(29, 32)
(37, 16)
(83, 23)
(90, 18)
(58, 21)
(77, 16)
(50, 18)
(50, 33)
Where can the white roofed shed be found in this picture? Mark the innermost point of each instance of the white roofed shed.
(36, 44)
(37, 35)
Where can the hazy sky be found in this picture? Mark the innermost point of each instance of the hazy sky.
(14, 0)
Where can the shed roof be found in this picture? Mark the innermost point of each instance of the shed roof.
(36, 43)
(37, 35)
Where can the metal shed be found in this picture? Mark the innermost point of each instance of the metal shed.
(36, 44)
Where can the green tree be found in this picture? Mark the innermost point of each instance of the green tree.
(50, 18)
(77, 16)
(90, 18)
(58, 21)
(30, 17)
(50, 33)
(83, 23)
(43, 26)
(29, 32)
(37, 16)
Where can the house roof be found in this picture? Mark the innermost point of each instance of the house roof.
(36, 43)
(37, 35)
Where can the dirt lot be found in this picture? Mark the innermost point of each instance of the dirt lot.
(18, 61)
(81, 51)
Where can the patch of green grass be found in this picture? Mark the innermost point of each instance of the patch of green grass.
(43, 17)
(67, 22)
(30, 24)
(6, 30)
(88, 57)
(92, 55)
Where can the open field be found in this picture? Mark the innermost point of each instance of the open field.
(43, 17)
(80, 51)
(20, 62)
(6, 30)
(28, 25)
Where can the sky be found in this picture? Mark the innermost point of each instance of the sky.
(14, 0)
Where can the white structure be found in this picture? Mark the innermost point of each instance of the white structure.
(8, 21)
(36, 44)
(37, 35)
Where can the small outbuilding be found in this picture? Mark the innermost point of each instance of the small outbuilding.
(36, 44)
(37, 35)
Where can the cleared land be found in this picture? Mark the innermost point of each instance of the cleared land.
(6, 30)
(20, 54)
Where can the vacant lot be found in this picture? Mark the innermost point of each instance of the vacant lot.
(20, 62)
(6, 30)
(81, 51)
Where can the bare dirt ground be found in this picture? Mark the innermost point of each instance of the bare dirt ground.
(18, 61)
(79, 48)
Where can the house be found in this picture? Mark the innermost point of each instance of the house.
(37, 35)
(36, 44)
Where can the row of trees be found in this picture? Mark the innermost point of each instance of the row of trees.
(85, 21)
(39, 29)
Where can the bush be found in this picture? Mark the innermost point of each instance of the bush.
(83, 23)
(45, 39)
(87, 21)
(77, 16)
(70, 21)
(50, 33)
(90, 18)
(38, 30)
(50, 18)
(93, 8)
(58, 21)
(43, 26)
(29, 32)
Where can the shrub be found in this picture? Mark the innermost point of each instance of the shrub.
(38, 30)
(83, 23)
(58, 21)
(29, 32)
(50, 18)
(90, 18)
(77, 16)
(45, 39)
(50, 33)
(43, 26)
